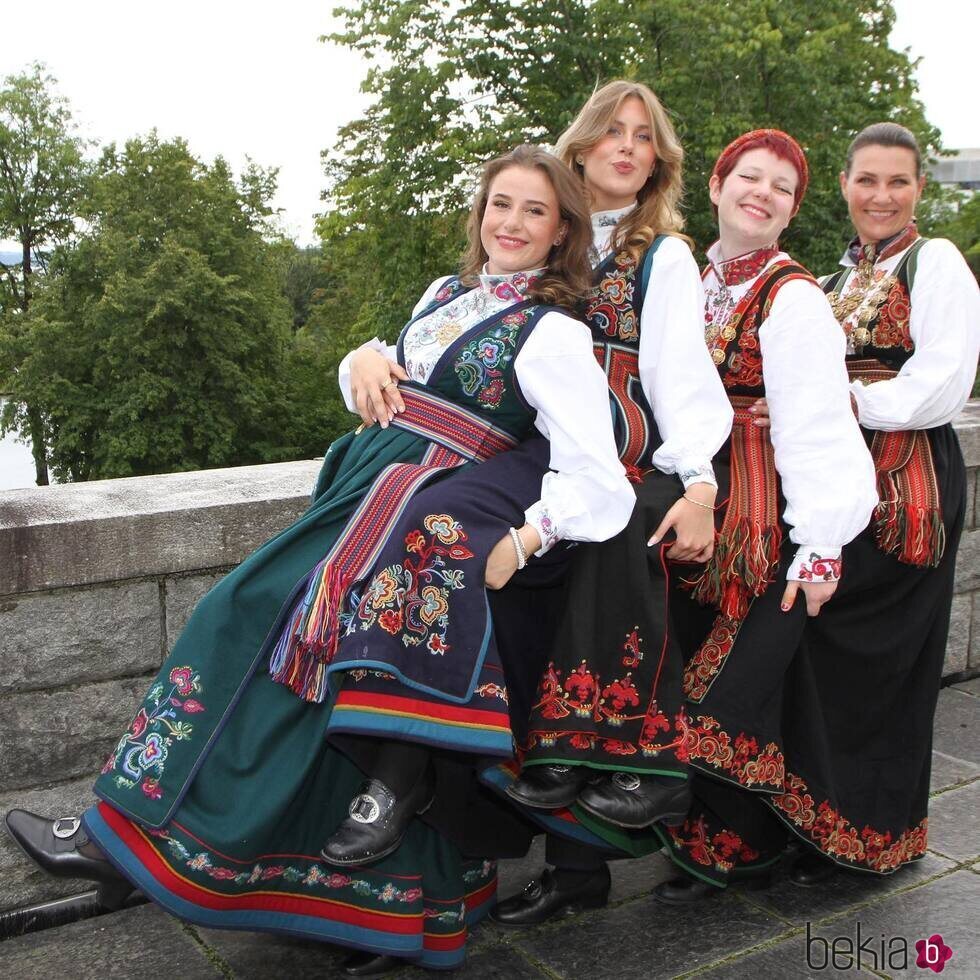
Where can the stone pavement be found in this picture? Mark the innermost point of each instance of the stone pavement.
(751, 934)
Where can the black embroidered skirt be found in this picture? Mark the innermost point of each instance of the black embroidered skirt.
(825, 720)
(610, 696)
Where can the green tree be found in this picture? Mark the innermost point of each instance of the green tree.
(41, 178)
(455, 83)
(158, 340)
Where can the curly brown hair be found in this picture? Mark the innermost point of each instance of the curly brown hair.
(569, 273)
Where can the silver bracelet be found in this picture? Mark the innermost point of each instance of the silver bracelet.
(519, 548)
(697, 503)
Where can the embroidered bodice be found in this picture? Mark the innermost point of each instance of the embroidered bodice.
(734, 309)
(913, 304)
(426, 339)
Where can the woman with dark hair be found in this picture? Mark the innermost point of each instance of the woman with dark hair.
(358, 643)
(857, 774)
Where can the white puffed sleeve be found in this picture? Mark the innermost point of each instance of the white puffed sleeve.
(587, 497)
(678, 376)
(935, 382)
(389, 350)
(826, 471)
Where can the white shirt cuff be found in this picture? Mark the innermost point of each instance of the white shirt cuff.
(693, 471)
(813, 563)
(538, 516)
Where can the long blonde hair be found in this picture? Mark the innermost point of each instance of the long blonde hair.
(569, 274)
(658, 200)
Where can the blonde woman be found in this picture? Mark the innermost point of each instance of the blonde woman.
(606, 727)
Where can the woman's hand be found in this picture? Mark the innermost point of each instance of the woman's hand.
(693, 525)
(760, 409)
(817, 593)
(374, 386)
(502, 560)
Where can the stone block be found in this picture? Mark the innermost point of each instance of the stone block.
(947, 906)
(968, 563)
(784, 960)
(971, 686)
(956, 729)
(958, 638)
(947, 772)
(643, 938)
(256, 954)
(967, 427)
(970, 520)
(846, 890)
(974, 655)
(181, 596)
(139, 942)
(51, 736)
(21, 881)
(108, 530)
(954, 822)
(60, 638)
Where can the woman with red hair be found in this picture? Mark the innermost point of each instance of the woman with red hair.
(792, 496)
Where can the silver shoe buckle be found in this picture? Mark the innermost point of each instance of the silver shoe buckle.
(66, 827)
(364, 809)
(627, 781)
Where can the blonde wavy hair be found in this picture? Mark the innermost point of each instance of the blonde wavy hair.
(659, 199)
(568, 277)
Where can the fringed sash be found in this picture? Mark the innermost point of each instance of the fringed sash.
(908, 520)
(747, 549)
(308, 642)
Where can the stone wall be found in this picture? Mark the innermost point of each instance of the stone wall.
(97, 580)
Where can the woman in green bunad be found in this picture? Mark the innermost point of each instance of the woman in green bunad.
(344, 679)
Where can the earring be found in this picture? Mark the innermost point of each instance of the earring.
(579, 159)
(559, 240)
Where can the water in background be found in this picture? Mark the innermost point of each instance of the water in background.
(16, 464)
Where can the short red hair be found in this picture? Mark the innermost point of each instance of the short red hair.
(775, 141)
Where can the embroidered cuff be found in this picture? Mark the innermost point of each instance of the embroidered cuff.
(695, 471)
(815, 565)
(540, 519)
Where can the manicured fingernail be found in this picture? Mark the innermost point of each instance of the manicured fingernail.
(785, 607)
(752, 408)
(402, 409)
(653, 541)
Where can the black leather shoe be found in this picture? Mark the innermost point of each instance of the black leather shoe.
(628, 800)
(53, 846)
(377, 822)
(685, 890)
(550, 787)
(811, 869)
(363, 964)
(545, 898)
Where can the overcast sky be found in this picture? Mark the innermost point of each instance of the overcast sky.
(244, 77)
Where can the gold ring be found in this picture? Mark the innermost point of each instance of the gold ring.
(386, 384)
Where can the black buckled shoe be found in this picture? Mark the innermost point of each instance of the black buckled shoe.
(550, 787)
(811, 869)
(685, 890)
(53, 846)
(377, 822)
(364, 964)
(628, 800)
(544, 898)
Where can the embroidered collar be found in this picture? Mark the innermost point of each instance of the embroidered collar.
(609, 219)
(513, 286)
(878, 251)
(741, 268)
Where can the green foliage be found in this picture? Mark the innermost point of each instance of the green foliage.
(958, 219)
(158, 341)
(42, 175)
(456, 84)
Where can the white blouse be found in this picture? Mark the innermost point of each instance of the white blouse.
(678, 377)
(825, 469)
(935, 382)
(587, 497)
